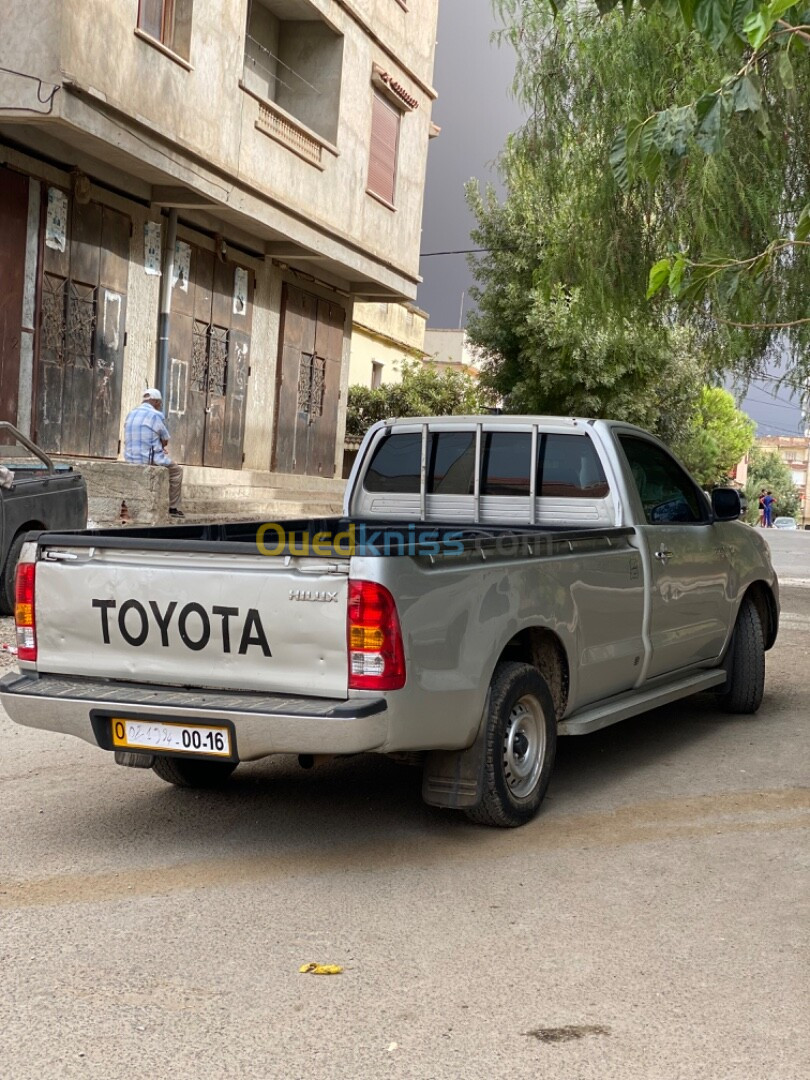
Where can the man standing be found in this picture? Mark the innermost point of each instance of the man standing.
(769, 502)
(145, 440)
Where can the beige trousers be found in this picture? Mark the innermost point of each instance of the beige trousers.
(175, 485)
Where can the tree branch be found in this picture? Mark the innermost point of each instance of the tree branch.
(799, 31)
(762, 325)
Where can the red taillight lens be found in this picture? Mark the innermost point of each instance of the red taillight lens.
(376, 656)
(24, 615)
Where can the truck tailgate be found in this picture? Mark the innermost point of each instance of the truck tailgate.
(225, 621)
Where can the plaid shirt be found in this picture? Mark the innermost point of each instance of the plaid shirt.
(144, 433)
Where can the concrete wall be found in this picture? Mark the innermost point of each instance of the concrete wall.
(451, 347)
(30, 42)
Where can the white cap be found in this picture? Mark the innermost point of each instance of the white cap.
(151, 392)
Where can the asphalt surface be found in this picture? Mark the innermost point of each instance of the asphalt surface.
(650, 923)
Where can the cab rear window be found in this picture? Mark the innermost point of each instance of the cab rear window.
(567, 465)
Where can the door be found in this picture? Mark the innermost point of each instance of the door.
(308, 384)
(690, 603)
(80, 343)
(209, 344)
(13, 230)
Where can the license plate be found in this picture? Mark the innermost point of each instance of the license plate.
(177, 737)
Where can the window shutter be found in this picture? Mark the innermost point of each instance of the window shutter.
(150, 18)
(382, 168)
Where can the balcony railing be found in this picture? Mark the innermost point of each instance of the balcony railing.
(274, 122)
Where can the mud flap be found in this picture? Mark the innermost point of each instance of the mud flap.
(455, 778)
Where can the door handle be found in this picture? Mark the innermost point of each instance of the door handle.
(663, 554)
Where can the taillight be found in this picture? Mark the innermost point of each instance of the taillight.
(24, 615)
(376, 656)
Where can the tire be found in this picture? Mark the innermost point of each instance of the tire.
(745, 663)
(190, 773)
(7, 578)
(521, 742)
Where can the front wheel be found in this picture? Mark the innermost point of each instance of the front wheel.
(745, 663)
(190, 773)
(521, 742)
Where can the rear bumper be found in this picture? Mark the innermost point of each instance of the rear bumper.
(262, 723)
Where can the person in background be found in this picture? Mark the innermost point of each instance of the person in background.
(762, 495)
(769, 502)
(146, 439)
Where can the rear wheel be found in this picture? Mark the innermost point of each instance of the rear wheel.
(521, 742)
(9, 572)
(745, 663)
(188, 772)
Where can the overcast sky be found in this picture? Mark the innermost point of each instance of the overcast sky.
(476, 112)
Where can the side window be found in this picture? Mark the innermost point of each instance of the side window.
(451, 463)
(568, 467)
(506, 463)
(169, 22)
(667, 493)
(395, 466)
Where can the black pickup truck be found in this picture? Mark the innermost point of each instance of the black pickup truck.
(41, 495)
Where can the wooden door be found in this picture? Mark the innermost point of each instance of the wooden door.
(209, 366)
(308, 384)
(82, 333)
(13, 230)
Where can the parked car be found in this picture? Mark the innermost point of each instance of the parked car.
(40, 495)
(785, 523)
(493, 583)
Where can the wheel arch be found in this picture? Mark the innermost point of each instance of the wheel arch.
(28, 526)
(543, 649)
(764, 600)
(6, 569)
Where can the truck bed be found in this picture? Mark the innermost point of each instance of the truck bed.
(372, 536)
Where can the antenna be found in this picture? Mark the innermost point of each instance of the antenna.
(461, 311)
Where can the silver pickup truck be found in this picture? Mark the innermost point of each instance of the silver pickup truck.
(494, 583)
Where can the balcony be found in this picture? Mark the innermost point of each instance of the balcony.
(293, 65)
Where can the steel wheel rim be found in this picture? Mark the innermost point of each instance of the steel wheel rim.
(524, 747)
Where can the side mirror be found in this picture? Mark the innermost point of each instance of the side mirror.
(726, 504)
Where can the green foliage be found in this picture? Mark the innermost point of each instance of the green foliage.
(769, 471)
(552, 355)
(718, 437)
(424, 391)
(763, 86)
(651, 144)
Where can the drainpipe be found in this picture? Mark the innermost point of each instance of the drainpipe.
(166, 309)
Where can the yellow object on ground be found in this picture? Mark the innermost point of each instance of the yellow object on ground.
(320, 969)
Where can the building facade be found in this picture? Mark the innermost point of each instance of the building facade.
(195, 194)
(383, 336)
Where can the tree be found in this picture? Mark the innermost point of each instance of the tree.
(719, 436)
(424, 391)
(766, 80)
(561, 309)
(627, 161)
(767, 470)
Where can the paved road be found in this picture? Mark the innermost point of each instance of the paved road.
(649, 924)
